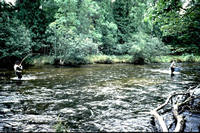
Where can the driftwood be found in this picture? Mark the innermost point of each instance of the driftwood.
(175, 109)
(179, 118)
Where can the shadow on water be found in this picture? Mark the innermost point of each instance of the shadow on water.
(89, 98)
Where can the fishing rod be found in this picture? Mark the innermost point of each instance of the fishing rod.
(27, 56)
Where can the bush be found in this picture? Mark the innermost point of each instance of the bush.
(109, 59)
(77, 49)
(71, 48)
(189, 58)
(145, 48)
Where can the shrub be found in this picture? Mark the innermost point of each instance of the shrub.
(71, 48)
(145, 48)
(189, 58)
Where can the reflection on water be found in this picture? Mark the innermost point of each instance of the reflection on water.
(89, 98)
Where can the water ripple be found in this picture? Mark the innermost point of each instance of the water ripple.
(92, 98)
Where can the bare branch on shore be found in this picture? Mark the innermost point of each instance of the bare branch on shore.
(175, 109)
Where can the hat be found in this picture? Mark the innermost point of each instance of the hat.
(17, 62)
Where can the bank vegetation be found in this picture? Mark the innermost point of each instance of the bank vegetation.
(75, 32)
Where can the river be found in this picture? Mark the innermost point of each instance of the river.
(100, 97)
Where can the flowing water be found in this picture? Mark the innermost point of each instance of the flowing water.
(89, 98)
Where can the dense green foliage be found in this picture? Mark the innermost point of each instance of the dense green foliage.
(30, 13)
(15, 38)
(71, 30)
(179, 24)
(146, 47)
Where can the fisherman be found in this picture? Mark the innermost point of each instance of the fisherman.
(172, 66)
(18, 69)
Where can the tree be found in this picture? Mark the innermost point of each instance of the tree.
(121, 12)
(145, 48)
(14, 36)
(179, 22)
(69, 34)
(31, 14)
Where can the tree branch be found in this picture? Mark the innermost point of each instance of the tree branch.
(175, 109)
(179, 118)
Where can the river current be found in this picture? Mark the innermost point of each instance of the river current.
(100, 97)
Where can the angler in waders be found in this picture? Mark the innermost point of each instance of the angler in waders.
(18, 69)
(172, 67)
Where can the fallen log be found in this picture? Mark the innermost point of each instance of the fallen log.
(179, 119)
(175, 105)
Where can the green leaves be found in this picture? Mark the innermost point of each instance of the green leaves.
(146, 47)
(70, 33)
(71, 48)
(178, 19)
(15, 38)
(72, 29)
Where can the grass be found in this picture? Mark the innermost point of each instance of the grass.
(181, 58)
(106, 59)
(42, 60)
(112, 59)
(109, 59)
(61, 126)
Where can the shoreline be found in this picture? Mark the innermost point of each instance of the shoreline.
(106, 59)
(114, 59)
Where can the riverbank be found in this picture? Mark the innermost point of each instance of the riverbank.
(180, 58)
(112, 59)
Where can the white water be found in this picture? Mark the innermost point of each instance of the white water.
(25, 77)
(166, 71)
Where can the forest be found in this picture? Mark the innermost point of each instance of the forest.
(73, 31)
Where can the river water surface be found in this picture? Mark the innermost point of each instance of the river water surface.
(89, 98)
